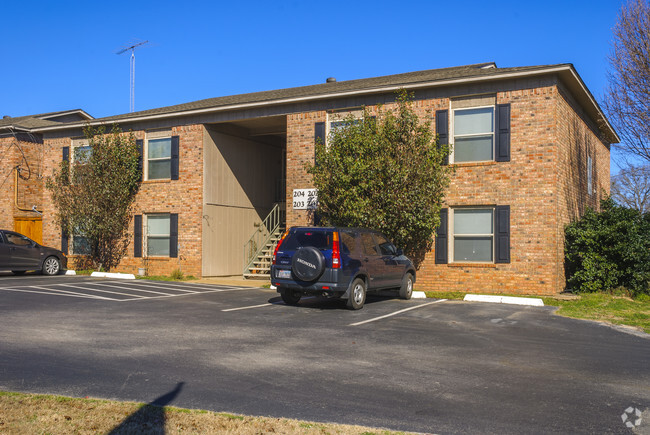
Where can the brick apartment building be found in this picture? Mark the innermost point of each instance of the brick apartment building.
(531, 152)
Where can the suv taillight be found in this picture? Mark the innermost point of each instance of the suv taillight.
(275, 251)
(336, 251)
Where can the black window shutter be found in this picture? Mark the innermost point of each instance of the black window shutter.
(64, 240)
(502, 135)
(140, 144)
(442, 129)
(66, 154)
(173, 235)
(137, 235)
(175, 153)
(502, 234)
(319, 132)
(442, 237)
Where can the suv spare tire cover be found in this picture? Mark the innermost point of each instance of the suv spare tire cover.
(308, 263)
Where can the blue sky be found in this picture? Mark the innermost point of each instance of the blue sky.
(61, 55)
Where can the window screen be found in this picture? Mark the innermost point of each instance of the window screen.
(473, 134)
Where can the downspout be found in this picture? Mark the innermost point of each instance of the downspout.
(33, 209)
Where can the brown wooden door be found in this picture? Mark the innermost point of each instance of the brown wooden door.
(30, 227)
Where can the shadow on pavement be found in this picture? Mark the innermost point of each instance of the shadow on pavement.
(150, 418)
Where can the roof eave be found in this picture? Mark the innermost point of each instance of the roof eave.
(566, 71)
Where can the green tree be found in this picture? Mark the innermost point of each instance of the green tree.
(94, 195)
(609, 249)
(385, 172)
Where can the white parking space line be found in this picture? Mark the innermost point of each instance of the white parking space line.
(159, 287)
(170, 296)
(397, 312)
(53, 292)
(184, 286)
(104, 291)
(130, 291)
(134, 289)
(268, 304)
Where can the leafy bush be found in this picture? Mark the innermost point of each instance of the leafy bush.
(609, 249)
(177, 274)
(385, 172)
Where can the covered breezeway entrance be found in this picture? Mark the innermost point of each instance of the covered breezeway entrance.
(244, 167)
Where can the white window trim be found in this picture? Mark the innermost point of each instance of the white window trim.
(153, 135)
(145, 241)
(452, 233)
(340, 116)
(77, 143)
(452, 136)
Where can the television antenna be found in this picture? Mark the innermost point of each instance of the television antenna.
(132, 47)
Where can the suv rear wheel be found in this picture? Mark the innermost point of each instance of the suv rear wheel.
(406, 290)
(290, 297)
(357, 294)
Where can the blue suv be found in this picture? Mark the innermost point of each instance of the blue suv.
(336, 262)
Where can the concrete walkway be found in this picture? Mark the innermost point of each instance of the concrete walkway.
(235, 280)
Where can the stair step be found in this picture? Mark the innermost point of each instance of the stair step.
(257, 276)
(262, 269)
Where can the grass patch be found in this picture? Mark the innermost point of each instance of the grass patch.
(618, 310)
(607, 308)
(445, 295)
(32, 413)
(84, 271)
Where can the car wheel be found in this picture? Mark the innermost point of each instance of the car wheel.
(406, 290)
(18, 272)
(357, 295)
(290, 297)
(51, 266)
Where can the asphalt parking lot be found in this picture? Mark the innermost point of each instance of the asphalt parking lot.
(422, 365)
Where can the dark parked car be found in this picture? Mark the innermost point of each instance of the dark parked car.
(339, 262)
(19, 254)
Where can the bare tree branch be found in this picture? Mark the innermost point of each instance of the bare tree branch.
(631, 188)
(627, 98)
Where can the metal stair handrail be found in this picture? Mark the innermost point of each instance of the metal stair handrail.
(262, 235)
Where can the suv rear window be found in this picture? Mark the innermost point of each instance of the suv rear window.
(319, 239)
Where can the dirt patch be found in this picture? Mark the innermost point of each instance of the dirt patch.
(28, 413)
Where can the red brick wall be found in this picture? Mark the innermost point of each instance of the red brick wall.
(300, 150)
(537, 184)
(30, 185)
(183, 196)
(577, 138)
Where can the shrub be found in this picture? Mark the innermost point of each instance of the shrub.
(177, 274)
(609, 249)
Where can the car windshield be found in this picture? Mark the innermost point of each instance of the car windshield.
(319, 239)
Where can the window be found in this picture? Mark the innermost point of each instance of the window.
(81, 150)
(473, 133)
(339, 120)
(157, 235)
(368, 243)
(159, 158)
(81, 154)
(385, 247)
(348, 241)
(472, 234)
(18, 239)
(589, 175)
(80, 245)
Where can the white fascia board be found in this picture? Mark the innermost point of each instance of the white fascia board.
(70, 112)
